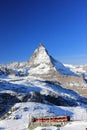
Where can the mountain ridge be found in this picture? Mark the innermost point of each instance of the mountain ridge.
(42, 65)
(40, 86)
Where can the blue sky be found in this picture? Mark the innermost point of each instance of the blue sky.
(61, 25)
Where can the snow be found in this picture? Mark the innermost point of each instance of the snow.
(80, 125)
(22, 112)
(43, 68)
(62, 69)
(76, 69)
(47, 128)
(77, 125)
(44, 62)
(19, 119)
(27, 84)
(42, 56)
(37, 110)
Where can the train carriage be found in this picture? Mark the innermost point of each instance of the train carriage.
(53, 121)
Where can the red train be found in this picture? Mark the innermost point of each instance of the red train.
(51, 119)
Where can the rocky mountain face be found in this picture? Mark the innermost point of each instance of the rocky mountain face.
(46, 67)
(42, 79)
(40, 62)
(42, 65)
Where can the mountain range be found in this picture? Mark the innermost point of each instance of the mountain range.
(43, 79)
(40, 81)
(44, 66)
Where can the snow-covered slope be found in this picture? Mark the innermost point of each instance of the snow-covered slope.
(78, 69)
(20, 117)
(22, 86)
(36, 88)
(42, 65)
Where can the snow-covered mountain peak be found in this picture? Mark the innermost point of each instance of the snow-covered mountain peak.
(40, 55)
(41, 87)
(41, 46)
(42, 63)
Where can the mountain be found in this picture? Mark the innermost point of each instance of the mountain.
(42, 65)
(41, 85)
(46, 67)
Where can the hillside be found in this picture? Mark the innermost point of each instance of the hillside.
(41, 86)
